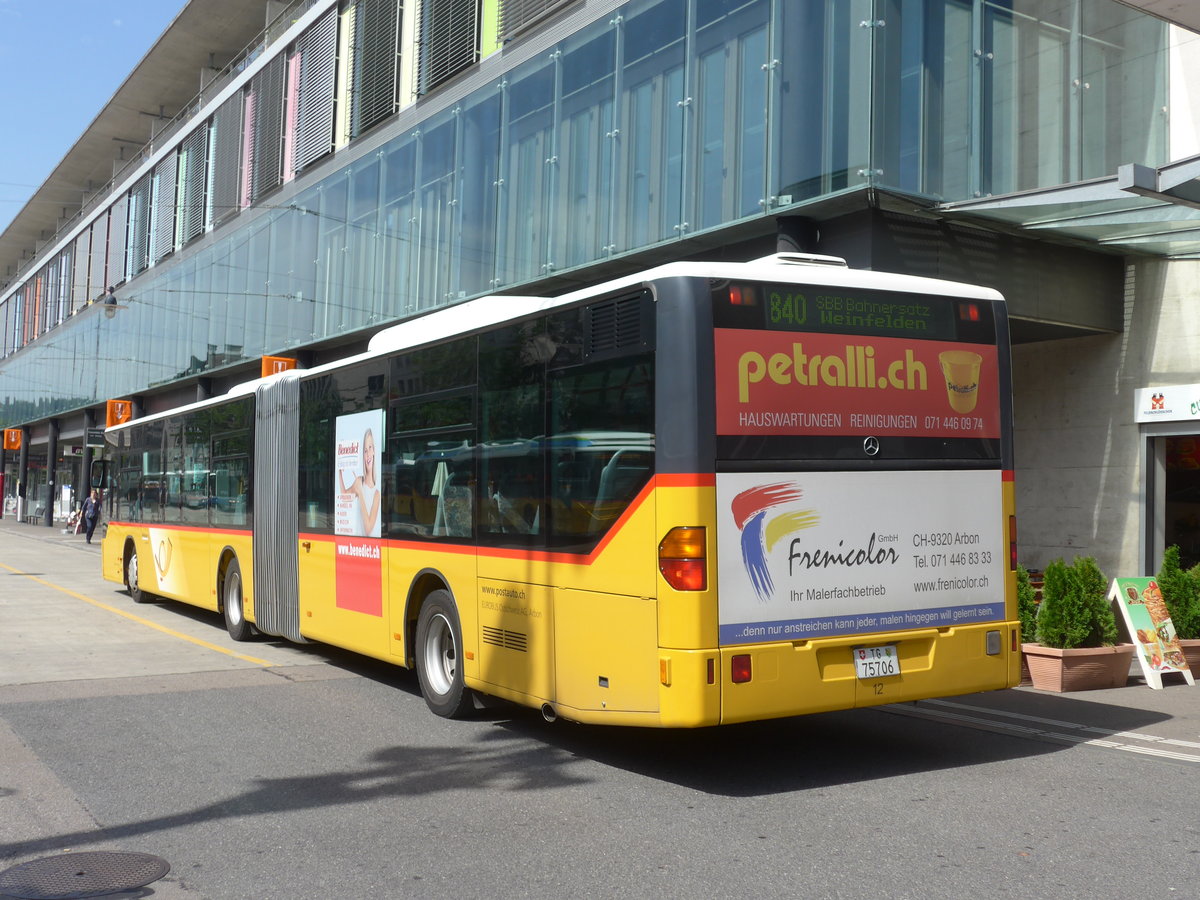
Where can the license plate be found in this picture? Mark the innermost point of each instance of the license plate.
(876, 662)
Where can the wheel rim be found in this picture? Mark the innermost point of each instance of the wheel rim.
(441, 656)
(133, 574)
(233, 597)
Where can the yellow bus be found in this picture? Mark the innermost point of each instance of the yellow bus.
(706, 493)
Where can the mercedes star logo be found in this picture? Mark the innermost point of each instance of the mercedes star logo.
(871, 446)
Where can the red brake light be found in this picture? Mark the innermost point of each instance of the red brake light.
(740, 668)
(968, 312)
(742, 295)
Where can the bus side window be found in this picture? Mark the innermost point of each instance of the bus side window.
(620, 480)
(455, 512)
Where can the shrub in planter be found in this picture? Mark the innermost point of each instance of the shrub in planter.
(1076, 629)
(1075, 611)
(1026, 605)
(1181, 593)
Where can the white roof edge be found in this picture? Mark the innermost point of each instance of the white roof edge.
(495, 309)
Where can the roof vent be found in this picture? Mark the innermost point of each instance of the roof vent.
(802, 259)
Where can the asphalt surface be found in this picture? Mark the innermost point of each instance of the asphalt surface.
(104, 703)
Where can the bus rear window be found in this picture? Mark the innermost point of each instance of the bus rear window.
(841, 374)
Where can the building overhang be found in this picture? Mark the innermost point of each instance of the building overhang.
(1181, 12)
(1139, 211)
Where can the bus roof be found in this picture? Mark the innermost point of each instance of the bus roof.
(495, 309)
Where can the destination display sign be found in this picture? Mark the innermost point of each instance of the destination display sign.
(842, 310)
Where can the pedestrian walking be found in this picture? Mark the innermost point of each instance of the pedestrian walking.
(91, 513)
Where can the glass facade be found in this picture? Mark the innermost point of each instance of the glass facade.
(662, 120)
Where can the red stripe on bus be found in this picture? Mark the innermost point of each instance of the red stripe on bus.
(1007, 475)
(686, 479)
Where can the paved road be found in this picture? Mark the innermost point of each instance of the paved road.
(265, 770)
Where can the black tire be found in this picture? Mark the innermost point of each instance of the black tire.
(232, 604)
(439, 658)
(131, 580)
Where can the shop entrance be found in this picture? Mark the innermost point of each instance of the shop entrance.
(1172, 508)
(1181, 497)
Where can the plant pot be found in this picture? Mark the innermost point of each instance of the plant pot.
(1079, 669)
(1191, 652)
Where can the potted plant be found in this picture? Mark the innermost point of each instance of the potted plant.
(1076, 647)
(1027, 608)
(1181, 593)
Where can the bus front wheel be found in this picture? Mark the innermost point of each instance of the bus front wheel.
(232, 603)
(131, 580)
(439, 657)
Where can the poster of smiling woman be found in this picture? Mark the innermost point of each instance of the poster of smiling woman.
(359, 440)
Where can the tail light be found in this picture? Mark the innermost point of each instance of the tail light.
(682, 560)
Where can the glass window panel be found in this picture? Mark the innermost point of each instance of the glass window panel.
(437, 212)
(527, 164)
(512, 410)
(333, 314)
(478, 194)
(194, 472)
(399, 223)
(431, 442)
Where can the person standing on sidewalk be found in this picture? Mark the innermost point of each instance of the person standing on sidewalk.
(91, 513)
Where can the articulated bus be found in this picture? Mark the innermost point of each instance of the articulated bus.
(708, 493)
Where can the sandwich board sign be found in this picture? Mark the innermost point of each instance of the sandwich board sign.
(1150, 628)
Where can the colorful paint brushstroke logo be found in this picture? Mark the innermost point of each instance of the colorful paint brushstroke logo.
(762, 530)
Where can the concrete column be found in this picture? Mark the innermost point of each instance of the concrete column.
(51, 473)
(83, 485)
(22, 473)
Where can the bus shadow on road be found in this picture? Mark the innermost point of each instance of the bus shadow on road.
(829, 749)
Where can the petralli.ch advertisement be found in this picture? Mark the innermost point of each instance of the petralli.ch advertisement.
(810, 384)
(812, 555)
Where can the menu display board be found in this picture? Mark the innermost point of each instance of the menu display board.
(1141, 606)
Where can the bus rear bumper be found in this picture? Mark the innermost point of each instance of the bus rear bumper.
(789, 679)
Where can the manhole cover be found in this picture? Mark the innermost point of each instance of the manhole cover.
(91, 874)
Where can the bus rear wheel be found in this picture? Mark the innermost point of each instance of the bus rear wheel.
(439, 657)
(136, 594)
(232, 603)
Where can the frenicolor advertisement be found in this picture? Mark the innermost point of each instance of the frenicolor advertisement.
(810, 555)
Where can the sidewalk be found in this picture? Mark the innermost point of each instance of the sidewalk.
(58, 533)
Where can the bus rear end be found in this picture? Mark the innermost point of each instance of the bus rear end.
(864, 495)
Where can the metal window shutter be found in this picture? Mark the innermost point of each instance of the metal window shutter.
(315, 104)
(267, 164)
(117, 217)
(139, 226)
(163, 230)
(449, 40)
(192, 178)
(53, 292)
(79, 277)
(516, 15)
(376, 60)
(226, 158)
(98, 259)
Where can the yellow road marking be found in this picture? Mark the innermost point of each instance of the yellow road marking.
(120, 612)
